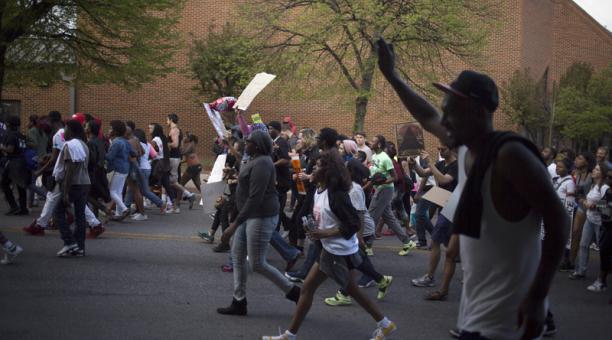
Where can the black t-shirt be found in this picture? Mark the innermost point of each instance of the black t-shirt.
(17, 140)
(281, 151)
(451, 169)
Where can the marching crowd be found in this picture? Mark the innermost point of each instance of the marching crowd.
(343, 193)
(66, 165)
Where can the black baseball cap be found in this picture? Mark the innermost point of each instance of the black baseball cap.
(473, 85)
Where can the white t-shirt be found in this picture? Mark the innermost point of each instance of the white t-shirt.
(595, 194)
(358, 199)
(59, 140)
(160, 147)
(325, 219)
(143, 161)
(564, 186)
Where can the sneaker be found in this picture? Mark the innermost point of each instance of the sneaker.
(206, 236)
(212, 216)
(407, 248)
(283, 336)
(96, 231)
(364, 283)
(67, 250)
(381, 332)
(222, 248)
(423, 247)
(227, 268)
(10, 252)
(424, 281)
(140, 217)
(338, 300)
(455, 333)
(598, 287)
(34, 229)
(294, 277)
(191, 200)
(383, 287)
(550, 328)
(78, 252)
(369, 251)
(176, 210)
(593, 246)
(576, 276)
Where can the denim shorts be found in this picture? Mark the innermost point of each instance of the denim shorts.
(442, 231)
(338, 267)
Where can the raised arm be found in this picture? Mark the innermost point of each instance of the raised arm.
(425, 113)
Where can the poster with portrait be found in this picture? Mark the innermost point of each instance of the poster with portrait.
(410, 140)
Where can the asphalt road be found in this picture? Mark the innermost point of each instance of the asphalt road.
(156, 280)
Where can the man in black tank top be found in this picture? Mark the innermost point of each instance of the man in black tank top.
(517, 198)
(175, 139)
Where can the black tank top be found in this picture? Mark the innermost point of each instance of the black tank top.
(176, 152)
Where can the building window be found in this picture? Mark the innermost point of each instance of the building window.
(10, 108)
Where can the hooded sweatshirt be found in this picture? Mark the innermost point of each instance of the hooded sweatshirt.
(256, 195)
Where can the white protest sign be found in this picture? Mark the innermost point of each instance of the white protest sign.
(256, 85)
(216, 120)
(216, 175)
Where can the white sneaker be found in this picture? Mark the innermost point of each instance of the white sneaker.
(10, 253)
(67, 250)
(176, 210)
(597, 287)
(140, 217)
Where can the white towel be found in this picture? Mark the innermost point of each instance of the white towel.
(77, 154)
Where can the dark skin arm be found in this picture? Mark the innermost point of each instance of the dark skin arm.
(425, 113)
(532, 183)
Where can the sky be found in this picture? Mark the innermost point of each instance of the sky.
(600, 10)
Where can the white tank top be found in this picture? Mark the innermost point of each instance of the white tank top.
(498, 270)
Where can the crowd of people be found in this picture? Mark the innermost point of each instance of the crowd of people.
(508, 229)
(81, 175)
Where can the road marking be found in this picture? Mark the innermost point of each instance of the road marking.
(165, 237)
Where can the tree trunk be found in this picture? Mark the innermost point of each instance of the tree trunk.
(361, 108)
(2, 62)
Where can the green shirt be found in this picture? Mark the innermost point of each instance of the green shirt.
(381, 163)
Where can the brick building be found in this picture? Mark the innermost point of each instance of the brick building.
(532, 33)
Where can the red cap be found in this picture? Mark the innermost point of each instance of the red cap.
(80, 117)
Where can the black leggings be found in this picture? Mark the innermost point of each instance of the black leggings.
(605, 249)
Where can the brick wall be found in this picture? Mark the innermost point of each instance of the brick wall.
(531, 33)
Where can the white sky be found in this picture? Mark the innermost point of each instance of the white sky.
(601, 10)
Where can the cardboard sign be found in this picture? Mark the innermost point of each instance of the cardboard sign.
(216, 120)
(256, 85)
(216, 175)
(410, 140)
(437, 196)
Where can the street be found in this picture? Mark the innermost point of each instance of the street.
(156, 279)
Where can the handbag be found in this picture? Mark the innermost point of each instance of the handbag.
(160, 167)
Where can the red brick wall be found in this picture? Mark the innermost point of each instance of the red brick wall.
(531, 33)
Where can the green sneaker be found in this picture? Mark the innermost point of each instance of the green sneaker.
(410, 245)
(338, 300)
(206, 236)
(383, 286)
(369, 251)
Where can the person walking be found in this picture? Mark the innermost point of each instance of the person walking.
(118, 161)
(336, 227)
(507, 269)
(257, 203)
(72, 174)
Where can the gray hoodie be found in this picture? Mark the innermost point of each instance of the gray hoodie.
(256, 195)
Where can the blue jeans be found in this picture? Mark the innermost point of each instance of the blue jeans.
(590, 232)
(143, 184)
(252, 238)
(423, 223)
(287, 251)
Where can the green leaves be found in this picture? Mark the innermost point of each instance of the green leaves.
(224, 62)
(126, 42)
(584, 106)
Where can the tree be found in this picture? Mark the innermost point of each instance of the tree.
(224, 62)
(126, 42)
(584, 111)
(337, 37)
(525, 103)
